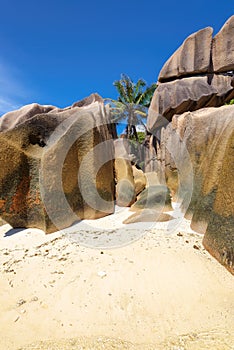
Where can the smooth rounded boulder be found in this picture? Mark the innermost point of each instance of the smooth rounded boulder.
(56, 167)
(139, 179)
(153, 197)
(125, 185)
(148, 215)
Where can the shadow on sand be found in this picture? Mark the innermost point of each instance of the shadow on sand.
(14, 231)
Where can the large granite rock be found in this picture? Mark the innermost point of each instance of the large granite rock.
(192, 57)
(125, 184)
(12, 119)
(56, 165)
(148, 215)
(207, 136)
(219, 237)
(188, 94)
(223, 48)
(199, 74)
(153, 197)
(139, 179)
(2, 222)
(149, 153)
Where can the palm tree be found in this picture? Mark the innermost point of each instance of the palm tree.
(132, 104)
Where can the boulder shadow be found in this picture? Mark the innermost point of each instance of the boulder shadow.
(14, 231)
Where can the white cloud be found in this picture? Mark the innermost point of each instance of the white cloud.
(7, 105)
(140, 128)
(12, 91)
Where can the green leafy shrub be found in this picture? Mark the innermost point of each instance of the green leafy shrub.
(231, 102)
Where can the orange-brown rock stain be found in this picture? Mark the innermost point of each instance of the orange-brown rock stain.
(19, 199)
(2, 204)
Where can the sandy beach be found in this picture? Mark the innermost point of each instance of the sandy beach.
(160, 290)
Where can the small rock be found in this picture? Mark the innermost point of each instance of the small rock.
(34, 299)
(196, 247)
(9, 270)
(58, 272)
(11, 284)
(51, 282)
(179, 234)
(62, 259)
(16, 319)
(102, 274)
(20, 302)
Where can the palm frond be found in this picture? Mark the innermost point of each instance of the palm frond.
(128, 86)
(138, 89)
(133, 101)
(147, 95)
(121, 90)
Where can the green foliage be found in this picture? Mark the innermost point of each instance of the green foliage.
(134, 93)
(132, 103)
(141, 136)
(231, 102)
(136, 148)
(131, 108)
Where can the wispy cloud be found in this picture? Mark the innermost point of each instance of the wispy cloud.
(7, 105)
(12, 91)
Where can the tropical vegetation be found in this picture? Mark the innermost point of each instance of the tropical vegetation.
(231, 102)
(132, 104)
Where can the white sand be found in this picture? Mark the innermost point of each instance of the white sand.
(154, 288)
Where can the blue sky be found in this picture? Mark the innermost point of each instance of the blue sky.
(58, 52)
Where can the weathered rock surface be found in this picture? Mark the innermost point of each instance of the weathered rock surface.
(125, 185)
(199, 74)
(152, 179)
(12, 119)
(188, 94)
(149, 153)
(219, 237)
(223, 48)
(2, 222)
(139, 179)
(192, 57)
(44, 150)
(207, 136)
(148, 215)
(153, 197)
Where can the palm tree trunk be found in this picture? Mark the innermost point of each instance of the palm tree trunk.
(135, 133)
(139, 156)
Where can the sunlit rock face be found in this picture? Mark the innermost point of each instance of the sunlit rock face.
(194, 133)
(192, 57)
(125, 185)
(199, 74)
(223, 48)
(208, 135)
(200, 145)
(52, 170)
